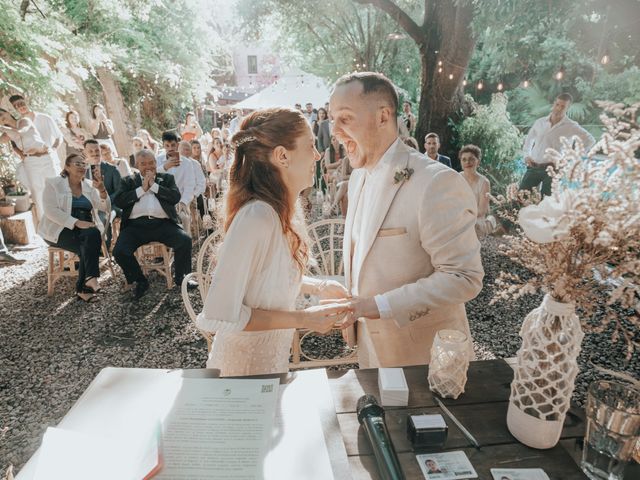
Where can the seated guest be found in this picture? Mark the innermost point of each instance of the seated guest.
(431, 147)
(148, 141)
(120, 163)
(110, 175)
(148, 201)
(138, 144)
(180, 167)
(75, 226)
(216, 164)
(470, 156)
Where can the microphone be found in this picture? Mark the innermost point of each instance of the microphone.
(371, 417)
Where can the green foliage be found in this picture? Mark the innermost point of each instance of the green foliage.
(335, 37)
(155, 50)
(528, 39)
(490, 128)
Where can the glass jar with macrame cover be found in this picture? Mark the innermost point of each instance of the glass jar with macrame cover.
(449, 363)
(545, 373)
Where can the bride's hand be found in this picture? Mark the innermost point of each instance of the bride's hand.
(322, 318)
(332, 289)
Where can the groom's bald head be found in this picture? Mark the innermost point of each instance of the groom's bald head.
(375, 86)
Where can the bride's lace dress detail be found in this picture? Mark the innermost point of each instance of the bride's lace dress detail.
(254, 270)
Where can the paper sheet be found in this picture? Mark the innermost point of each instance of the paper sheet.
(219, 429)
(72, 455)
(302, 453)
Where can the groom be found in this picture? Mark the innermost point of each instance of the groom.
(411, 253)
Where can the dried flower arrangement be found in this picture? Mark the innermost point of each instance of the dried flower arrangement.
(585, 239)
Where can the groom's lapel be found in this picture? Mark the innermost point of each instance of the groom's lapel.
(385, 191)
(348, 225)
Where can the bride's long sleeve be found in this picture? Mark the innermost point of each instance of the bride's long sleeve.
(241, 257)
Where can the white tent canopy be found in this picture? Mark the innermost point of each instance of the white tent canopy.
(293, 87)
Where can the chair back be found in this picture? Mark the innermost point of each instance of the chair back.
(325, 247)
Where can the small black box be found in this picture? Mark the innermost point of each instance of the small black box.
(427, 431)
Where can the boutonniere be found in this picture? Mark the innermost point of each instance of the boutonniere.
(402, 174)
(159, 179)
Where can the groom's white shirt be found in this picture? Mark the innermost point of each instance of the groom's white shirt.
(413, 246)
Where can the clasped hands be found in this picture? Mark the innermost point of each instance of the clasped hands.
(337, 309)
(148, 180)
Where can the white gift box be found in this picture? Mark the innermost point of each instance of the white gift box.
(394, 391)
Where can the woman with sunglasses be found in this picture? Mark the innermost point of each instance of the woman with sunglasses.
(71, 220)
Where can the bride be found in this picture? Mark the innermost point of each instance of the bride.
(259, 273)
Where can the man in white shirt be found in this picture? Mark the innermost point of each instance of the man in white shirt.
(148, 200)
(180, 167)
(412, 257)
(47, 128)
(548, 132)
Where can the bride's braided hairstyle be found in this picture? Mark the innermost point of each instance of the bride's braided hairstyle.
(252, 176)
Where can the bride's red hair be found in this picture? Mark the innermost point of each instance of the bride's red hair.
(252, 176)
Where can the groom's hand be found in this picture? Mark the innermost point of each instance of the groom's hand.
(331, 289)
(360, 307)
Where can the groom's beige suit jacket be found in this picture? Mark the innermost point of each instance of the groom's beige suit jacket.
(420, 250)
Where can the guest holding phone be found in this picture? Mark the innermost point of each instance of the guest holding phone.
(75, 225)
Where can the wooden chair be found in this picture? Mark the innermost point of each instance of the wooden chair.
(148, 254)
(62, 263)
(326, 249)
(205, 263)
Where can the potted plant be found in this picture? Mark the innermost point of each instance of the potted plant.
(580, 241)
(7, 208)
(21, 198)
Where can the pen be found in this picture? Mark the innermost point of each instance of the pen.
(464, 431)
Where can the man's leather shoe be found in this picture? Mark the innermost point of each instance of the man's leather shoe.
(141, 288)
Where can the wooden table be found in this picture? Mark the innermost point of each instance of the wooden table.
(482, 409)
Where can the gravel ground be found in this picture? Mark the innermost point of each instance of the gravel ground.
(53, 347)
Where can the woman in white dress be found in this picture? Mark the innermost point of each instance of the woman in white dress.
(470, 156)
(37, 162)
(251, 301)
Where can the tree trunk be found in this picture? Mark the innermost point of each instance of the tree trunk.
(116, 112)
(448, 32)
(445, 36)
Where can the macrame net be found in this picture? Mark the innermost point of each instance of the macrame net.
(449, 363)
(547, 360)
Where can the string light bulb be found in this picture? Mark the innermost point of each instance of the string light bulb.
(525, 84)
(439, 63)
(451, 76)
(605, 59)
(408, 69)
(440, 70)
(559, 74)
(464, 82)
(480, 85)
(500, 86)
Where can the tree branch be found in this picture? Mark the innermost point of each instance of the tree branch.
(401, 18)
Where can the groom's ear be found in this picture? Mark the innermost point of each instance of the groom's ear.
(385, 115)
(279, 157)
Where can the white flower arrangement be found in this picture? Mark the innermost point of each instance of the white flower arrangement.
(587, 231)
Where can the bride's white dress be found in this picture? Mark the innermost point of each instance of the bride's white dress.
(255, 269)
